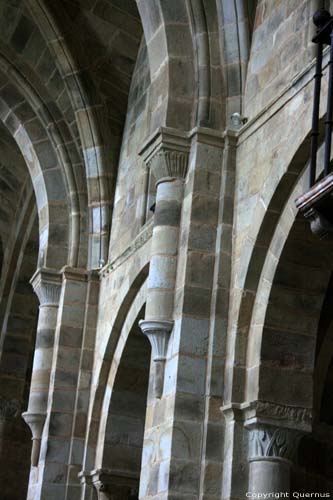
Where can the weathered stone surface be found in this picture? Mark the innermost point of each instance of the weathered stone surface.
(151, 153)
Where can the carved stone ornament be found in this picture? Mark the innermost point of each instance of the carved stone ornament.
(316, 205)
(320, 226)
(302, 417)
(9, 408)
(47, 286)
(168, 163)
(158, 333)
(36, 423)
(144, 235)
(273, 442)
(166, 153)
(110, 484)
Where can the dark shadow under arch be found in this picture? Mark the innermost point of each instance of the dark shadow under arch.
(127, 411)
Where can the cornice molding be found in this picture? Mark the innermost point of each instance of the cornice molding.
(269, 413)
(279, 415)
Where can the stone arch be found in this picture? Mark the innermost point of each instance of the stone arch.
(136, 308)
(283, 334)
(286, 317)
(46, 197)
(265, 279)
(18, 313)
(16, 190)
(50, 165)
(121, 429)
(171, 63)
(208, 102)
(101, 383)
(273, 242)
(293, 332)
(97, 136)
(237, 21)
(182, 42)
(271, 234)
(24, 55)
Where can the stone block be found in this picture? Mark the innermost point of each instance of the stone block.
(201, 238)
(11, 95)
(167, 213)
(200, 269)
(54, 491)
(60, 424)
(57, 450)
(204, 210)
(191, 375)
(285, 386)
(55, 473)
(190, 336)
(162, 272)
(184, 477)
(195, 301)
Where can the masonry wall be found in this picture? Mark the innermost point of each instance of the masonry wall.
(229, 214)
(281, 48)
(273, 146)
(130, 235)
(130, 205)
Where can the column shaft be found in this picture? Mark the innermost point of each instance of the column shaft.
(163, 264)
(40, 378)
(269, 475)
(47, 286)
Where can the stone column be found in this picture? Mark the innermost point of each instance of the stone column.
(272, 451)
(47, 286)
(167, 157)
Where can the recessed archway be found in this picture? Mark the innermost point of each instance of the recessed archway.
(293, 375)
(125, 423)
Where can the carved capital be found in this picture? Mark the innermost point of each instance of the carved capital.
(9, 409)
(112, 484)
(158, 333)
(168, 163)
(166, 153)
(273, 442)
(47, 286)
